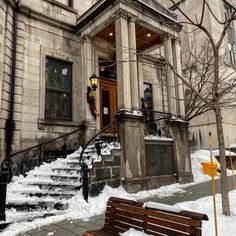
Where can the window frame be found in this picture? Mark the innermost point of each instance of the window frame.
(59, 90)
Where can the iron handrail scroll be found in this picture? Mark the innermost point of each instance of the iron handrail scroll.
(22, 161)
(84, 165)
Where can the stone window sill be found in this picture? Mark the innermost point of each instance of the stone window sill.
(58, 123)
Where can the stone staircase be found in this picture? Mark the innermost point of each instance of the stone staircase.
(46, 190)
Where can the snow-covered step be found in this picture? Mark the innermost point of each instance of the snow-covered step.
(42, 205)
(20, 216)
(47, 189)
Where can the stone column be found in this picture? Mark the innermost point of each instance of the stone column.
(133, 65)
(87, 70)
(131, 127)
(170, 74)
(123, 65)
(179, 83)
(179, 132)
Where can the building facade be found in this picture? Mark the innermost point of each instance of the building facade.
(203, 124)
(50, 49)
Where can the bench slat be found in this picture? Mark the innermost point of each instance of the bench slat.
(155, 213)
(170, 227)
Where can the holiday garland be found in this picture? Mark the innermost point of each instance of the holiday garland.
(91, 99)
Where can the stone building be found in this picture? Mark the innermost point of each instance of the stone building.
(202, 125)
(48, 51)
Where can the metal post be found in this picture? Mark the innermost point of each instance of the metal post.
(97, 146)
(85, 173)
(3, 191)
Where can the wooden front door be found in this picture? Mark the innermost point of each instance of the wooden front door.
(108, 103)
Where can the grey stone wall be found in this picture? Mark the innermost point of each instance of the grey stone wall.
(106, 172)
(159, 157)
(44, 28)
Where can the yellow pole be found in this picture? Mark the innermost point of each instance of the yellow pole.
(231, 163)
(213, 185)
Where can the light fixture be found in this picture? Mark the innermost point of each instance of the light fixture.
(102, 69)
(111, 34)
(147, 93)
(149, 35)
(94, 81)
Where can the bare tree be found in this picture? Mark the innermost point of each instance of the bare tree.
(208, 83)
(198, 69)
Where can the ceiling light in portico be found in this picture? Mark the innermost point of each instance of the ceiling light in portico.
(110, 34)
(149, 35)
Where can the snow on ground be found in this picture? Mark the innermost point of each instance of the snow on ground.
(226, 225)
(79, 209)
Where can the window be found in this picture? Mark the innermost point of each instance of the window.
(58, 94)
(231, 34)
(66, 2)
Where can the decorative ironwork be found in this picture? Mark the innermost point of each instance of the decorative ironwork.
(25, 160)
(58, 95)
(156, 123)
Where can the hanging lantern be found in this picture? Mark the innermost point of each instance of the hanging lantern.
(94, 81)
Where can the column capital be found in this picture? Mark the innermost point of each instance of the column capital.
(177, 40)
(85, 38)
(132, 18)
(121, 13)
(167, 36)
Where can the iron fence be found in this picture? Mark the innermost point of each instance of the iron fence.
(156, 123)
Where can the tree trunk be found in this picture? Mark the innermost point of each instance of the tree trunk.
(224, 185)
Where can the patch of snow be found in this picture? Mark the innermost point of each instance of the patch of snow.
(226, 225)
(233, 145)
(227, 153)
(134, 232)
(154, 137)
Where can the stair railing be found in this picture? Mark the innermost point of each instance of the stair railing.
(22, 161)
(83, 161)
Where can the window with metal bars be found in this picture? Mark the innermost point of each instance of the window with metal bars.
(58, 89)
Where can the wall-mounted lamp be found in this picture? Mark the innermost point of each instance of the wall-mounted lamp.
(147, 93)
(94, 81)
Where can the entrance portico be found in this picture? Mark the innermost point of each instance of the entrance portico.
(123, 32)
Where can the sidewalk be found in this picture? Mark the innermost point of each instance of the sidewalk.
(78, 227)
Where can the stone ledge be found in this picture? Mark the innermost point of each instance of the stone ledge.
(58, 123)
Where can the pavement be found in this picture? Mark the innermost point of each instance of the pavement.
(78, 227)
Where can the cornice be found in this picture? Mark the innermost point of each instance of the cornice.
(12, 3)
(46, 19)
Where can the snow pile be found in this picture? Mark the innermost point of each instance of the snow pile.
(227, 153)
(79, 209)
(196, 159)
(156, 137)
(226, 225)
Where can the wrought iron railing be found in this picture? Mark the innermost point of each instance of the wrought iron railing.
(88, 160)
(156, 123)
(25, 160)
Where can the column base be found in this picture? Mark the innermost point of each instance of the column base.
(136, 185)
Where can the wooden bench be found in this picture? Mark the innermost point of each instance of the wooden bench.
(122, 214)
